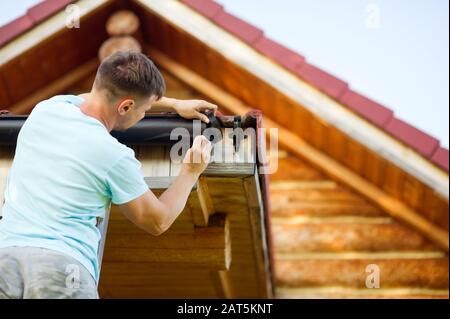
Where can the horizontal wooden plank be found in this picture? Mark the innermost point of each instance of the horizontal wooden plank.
(209, 258)
(298, 208)
(292, 185)
(217, 258)
(337, 237)
(172, 240)
(230, 169)
(352, 293)
(418, 273)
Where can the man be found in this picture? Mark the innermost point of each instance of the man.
(67, 170)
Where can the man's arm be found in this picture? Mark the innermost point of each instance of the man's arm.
(189, 109)
(164, 104)
(157, 215)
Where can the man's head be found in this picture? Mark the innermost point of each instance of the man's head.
(128, 82)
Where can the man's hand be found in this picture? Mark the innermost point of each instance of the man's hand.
(192, 109)
(197, 157)
(155, 215)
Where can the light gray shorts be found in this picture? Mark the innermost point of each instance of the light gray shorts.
(40, 273)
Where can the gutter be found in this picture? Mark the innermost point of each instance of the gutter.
(153, 129)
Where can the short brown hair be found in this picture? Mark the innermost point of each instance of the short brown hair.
(128, 72)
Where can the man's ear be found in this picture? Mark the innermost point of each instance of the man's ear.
(125, 105)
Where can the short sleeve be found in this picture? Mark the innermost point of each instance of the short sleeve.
(125, 181)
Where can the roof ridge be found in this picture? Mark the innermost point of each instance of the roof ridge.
(372, 111)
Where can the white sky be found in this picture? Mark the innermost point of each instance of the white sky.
(403, 63)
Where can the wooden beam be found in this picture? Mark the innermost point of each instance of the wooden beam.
(299, 147)
(230, 169)
(203, 256)
(429, 273)
(25, 105)
(200, 203)
(223, 284)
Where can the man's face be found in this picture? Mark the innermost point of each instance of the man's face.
(132, 111)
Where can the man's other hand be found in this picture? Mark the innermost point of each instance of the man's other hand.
(197, 157)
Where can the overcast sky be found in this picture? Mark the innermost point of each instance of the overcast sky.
(400, 59)
(394, 51)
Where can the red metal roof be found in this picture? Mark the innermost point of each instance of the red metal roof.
(418, 140)
(34, 15)
(289, 59)
(337, 89)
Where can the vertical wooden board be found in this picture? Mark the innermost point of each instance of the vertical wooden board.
(252, 90)
(162, 28)
(195, 55)
(267, 99)
(155, 161)
(147, 21)
(172, 40)
(355, 156)
(435, 208)
(5, 100)
(393, 180)
(373, 168)
(231, 79)
(204, 197)
(413, 192)
(244, 85)
(318, 130)
(215, 67)
(30, 64)
(15, 80)
(292, 115)
(68, 56)
(93, 29)
(82, 35)
(155, 31)
(277, 106)
(336, 145)
(48, 57)
(183, 56)
(200, 204)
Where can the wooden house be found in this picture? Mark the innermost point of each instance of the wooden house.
(357, 203)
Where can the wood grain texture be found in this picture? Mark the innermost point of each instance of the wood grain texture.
(394, 273)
